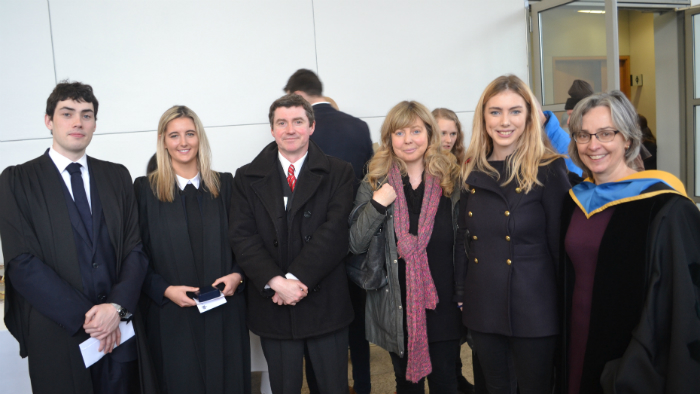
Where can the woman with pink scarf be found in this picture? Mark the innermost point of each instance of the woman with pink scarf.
(411, 193)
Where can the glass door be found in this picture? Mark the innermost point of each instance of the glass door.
(574, 50)
(692, 69)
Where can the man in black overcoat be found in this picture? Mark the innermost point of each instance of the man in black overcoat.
(74, 265)
(347, 138)
(289, 233)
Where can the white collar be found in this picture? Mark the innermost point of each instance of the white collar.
(62, 162)
(297, 165)
(321, 102)
(182, 182)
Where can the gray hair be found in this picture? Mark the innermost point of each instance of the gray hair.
(624, 118)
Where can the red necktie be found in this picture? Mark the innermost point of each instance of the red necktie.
(291, 179)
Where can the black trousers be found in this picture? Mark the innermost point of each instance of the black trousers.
(328, 353)
(442, 380)
(532, 359)
(359, 347)
(113, 377)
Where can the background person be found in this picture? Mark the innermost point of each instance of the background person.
(411, 190)
(347, 138)
(183, 213)
(509, 220)
(630, 282)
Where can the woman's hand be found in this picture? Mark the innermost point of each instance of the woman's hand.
(231, 281)
(178, 295)
(385, 195)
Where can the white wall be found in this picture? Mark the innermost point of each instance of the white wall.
(229, 60)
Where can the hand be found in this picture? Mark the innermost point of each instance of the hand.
(460, 305)
(101, 320)
(111, 341)
(385, 195)
(231, 281)
(178, 295)
(287, 291)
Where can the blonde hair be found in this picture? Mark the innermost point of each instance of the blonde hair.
(458, 148)
(163, 181)
(437, 163)
(531, 151)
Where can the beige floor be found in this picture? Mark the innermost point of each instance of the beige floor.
(382, 372)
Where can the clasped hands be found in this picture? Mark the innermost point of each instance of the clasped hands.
(102, 323)
(287, 291)
(178, 294)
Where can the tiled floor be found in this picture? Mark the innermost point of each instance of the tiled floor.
(382, 372)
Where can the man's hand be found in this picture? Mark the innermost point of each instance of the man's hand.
(287, 291)
(111, 341)
(178, 295)
(101, 320)
(231, 281)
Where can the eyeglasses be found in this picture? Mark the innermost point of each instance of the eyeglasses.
(602, 136)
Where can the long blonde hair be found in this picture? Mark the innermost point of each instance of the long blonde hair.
(438, 163)
(531, 151)
(163, 181)
(458, 148)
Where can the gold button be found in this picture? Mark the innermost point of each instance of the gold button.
(470, 213)
(518, 190)
(507, 213)
(507, 238)
(476, 260)
(509, 262)
(474, 238)
(473, 191)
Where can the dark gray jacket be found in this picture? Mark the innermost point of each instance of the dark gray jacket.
(383, 310)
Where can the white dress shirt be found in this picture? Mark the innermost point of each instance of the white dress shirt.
(297, 164)
(182, 182)
(62, 163)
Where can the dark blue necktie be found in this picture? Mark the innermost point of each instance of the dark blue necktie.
(79, 196)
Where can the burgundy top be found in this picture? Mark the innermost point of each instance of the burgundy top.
(582, 244)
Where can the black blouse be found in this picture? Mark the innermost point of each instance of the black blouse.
(444, 322)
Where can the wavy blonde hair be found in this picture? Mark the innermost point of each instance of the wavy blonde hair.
(163, 181)
(531, 151)
(438, 163)
(458, 148)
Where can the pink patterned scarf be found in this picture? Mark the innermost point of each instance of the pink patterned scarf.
(420, 289)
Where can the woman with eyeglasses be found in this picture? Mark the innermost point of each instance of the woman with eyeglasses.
(630, 266)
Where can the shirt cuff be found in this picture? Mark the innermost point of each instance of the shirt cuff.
(379, 207)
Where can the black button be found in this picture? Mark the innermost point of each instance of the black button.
(317, 288)
(307, 214)
(95, 265)
(101, 297)
(307, 238)
(275, 243)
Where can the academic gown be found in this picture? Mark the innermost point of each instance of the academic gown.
(193, 352)
(34, 220)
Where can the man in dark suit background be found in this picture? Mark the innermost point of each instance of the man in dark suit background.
(70, 238)
(290, 235)
(347, 138)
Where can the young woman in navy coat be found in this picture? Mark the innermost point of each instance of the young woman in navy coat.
(509, 224)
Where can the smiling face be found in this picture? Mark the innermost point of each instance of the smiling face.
(410, 143)
(505, 118)
(605, 160)
(448, 131)
(182, 143)
(292, 130)
(72, 126)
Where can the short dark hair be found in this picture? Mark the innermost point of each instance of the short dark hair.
(66, 90)
(288, 101)
(306, 81)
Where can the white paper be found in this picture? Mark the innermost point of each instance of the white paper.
(210, 304)
(90, 348)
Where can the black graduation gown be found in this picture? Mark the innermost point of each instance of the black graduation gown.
(34, 220)
(193, 352)
(644, 334)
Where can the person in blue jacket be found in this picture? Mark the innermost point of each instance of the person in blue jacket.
(559, 138)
